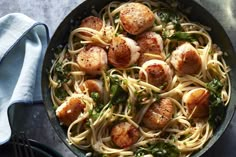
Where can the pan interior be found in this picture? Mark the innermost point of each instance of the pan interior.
(197, 14)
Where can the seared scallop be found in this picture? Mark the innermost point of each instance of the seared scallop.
(151, 45)
(158, 114)
(124, 134)
(91, 22)
(150, 42)
(92, 60)
(197, 102)
(92, 86)
(136, 18)
(70, 110)
(123, 52)
(186, 60)
(158, 73)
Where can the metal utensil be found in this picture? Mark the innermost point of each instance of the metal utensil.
(21, 145)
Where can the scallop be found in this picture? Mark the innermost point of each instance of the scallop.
(186, 60)
(136, 18)
(158, 114)
(158, 73)
(123, 52)
(197, 102)
(151, 45)
(70, 110)
(93, 85)
(93, 23)
(150, 42)
(92, 60)
(124, 134)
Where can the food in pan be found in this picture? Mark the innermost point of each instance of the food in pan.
(139, 79)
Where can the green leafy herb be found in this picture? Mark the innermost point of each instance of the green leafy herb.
(61, 93)
(158, 149)
(95, 96)
(87, 123)
(167, 16)
(62, 73)
(215, 86)
(157, 95)
(93, 114)
(182, 36)
(216, 108)
(182, 137)
(99, 106)
(118, 94)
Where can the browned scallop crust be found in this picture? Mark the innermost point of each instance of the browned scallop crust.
(91, 85)
(92, 60)
(191, 63)
(71, 111)
(198, 99)
(91, 22)
(186, 60)
(158, 114)
(148, 43)
(124, 134)
(136, 18)
(119, 54)
(156, 75)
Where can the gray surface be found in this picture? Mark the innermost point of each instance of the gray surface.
(34, 120)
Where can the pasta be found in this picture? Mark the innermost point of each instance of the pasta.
(139, 79)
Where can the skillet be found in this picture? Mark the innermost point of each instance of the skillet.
(196, 14)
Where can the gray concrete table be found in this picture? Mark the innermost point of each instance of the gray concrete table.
(33, 119)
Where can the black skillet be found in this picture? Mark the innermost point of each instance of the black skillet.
(198, 14)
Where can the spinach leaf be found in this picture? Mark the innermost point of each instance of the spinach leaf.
(93, 114)
(215, 86)
(158, 149)
(182, 36)
(96, 98)
(118, 94)
(62, 73)
(217, 109)
(61, 93)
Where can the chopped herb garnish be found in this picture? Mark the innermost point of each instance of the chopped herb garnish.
(156, 95)
(93, 114)
(182, 36)
(158, 149)
(118, 94)
(216, 108)
(215, 86)
(95, 96)
(61, 93)
(99, 105)
(167, 16)
(87, 123)
(62, 73)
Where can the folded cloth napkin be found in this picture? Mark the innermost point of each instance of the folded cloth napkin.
(22, 45)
